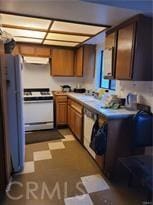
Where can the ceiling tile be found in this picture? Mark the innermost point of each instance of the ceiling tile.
(76, 28)
(64, 37)
(24, 21)
(60, 43)
(24, 33)
(28, 40)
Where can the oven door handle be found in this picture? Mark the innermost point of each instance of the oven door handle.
(38, 101)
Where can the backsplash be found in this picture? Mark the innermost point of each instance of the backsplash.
(36, 76)
(143, 89)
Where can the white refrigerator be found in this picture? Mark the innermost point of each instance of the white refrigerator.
(15, 112)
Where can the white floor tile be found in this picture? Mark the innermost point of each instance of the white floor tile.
(68, 138)
(56, 145)
(42, 155)
(79, 200)
(29, 167)
(94, 183)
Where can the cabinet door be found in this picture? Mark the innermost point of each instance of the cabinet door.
(78, 126)
(79, 62)
(72, 122)
(42, 51)
(109, 55)
(125, 48)
(110, 40)
(27, 50)
(69, 115)
(89, 60)
(62, 62)
(61, 113)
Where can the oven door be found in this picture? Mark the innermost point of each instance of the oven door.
(38, 115)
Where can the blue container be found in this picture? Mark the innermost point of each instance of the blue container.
(142, 129)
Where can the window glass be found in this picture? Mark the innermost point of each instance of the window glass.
(104, 83)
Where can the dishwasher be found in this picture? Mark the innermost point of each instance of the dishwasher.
(89, 120)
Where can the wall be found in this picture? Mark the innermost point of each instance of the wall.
(144, 90)
(38, 76)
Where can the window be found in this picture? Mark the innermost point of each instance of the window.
(104, 83)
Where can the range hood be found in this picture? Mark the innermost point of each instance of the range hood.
(36, 60)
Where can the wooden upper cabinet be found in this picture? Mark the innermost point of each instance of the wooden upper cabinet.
(109, 56)
(79, 62)
(133, 49)
(27, 50)
(62, 62)
(125, 52)
(85, 60)
(32, 50)
(110, 40)
(42, 51)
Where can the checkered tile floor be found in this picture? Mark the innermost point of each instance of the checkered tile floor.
(65, 163)
(92, 183)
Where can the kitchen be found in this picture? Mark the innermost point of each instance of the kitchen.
(75, 88)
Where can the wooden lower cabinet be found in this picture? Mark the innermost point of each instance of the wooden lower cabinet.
(78, 126)
(75, 119)
(72, 120)
(69, 115)
(61, 113)
(61, 110)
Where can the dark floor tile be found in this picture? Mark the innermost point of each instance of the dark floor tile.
(65, 132)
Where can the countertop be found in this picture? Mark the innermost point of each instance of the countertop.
(94, 104)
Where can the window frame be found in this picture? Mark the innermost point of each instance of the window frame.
(101, 73)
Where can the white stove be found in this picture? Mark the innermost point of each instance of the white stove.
(38, 109)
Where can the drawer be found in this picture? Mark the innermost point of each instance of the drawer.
(76, 106)
(62, 98)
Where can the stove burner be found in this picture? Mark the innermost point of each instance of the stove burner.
(44, 93)
(27, 93)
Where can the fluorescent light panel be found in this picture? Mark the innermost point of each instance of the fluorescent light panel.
(77, 28)
(64, 37)
(27, 40)
(60, 43)
(38, 23)
(26, 33)
(24, 21)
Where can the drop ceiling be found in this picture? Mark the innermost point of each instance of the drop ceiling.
(48, 31)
